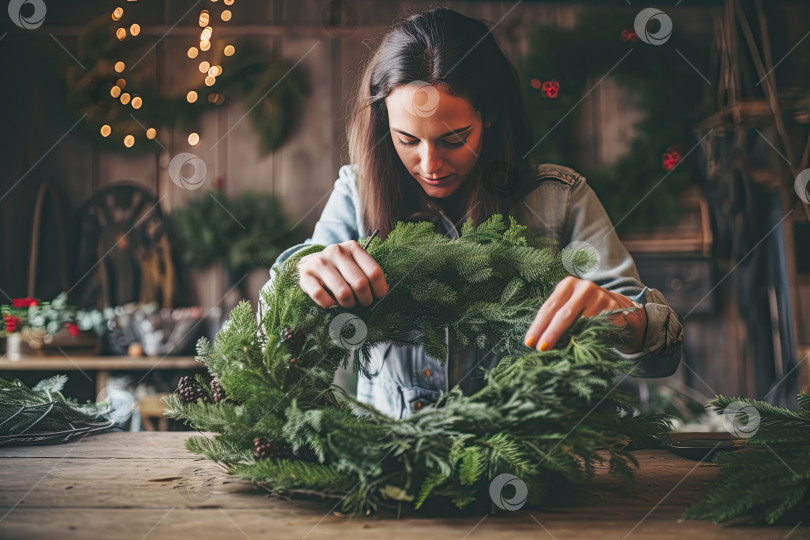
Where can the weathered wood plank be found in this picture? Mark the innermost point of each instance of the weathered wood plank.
(111, 445)
(153, 482)
(141, 484)
(216, 523)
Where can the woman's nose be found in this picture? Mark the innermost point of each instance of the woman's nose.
(430, 160)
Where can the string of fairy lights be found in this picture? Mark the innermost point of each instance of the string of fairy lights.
(209, 72)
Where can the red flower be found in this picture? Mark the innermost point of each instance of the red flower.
(536, 83)
(24, 302)
(73, 329)
(628, 35)
(671, 158)
(550, 89)
(12, 322)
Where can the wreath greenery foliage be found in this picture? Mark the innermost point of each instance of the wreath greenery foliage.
(771, 477)
(545, 416)
(42, 415)
(244, 232)
(659, 83)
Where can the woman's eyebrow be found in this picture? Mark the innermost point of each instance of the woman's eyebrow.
(453, 132)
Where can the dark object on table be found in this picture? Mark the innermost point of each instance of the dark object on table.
(700, 445)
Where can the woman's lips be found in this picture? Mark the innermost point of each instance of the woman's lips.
(436, 181)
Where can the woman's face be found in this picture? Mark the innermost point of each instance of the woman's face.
(438, 136)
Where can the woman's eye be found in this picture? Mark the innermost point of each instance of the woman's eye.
(455, 143)
(448, 143)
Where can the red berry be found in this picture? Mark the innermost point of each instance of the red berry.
(671, 158)
(551, 89)
(12, 322)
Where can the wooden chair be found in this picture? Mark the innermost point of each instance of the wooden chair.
(124, 249)
(151, 409)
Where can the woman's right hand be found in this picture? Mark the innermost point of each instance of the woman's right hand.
(345, 270)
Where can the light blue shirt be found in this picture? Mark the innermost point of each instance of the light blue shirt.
(561, 206)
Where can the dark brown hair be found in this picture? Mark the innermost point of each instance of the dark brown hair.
(458, 54)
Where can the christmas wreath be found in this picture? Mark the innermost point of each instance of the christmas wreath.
(544, 417)
(118, 96)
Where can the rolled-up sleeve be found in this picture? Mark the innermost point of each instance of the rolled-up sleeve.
(340, 221)
(587, 221)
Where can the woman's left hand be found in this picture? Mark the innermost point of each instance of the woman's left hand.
(574, 297)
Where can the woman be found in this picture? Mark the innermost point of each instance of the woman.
(439, 133)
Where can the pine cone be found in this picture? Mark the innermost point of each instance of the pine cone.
(190, 390)
(265, 449)
(293, 340)
(217, 391)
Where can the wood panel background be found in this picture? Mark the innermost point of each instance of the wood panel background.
(39, 142)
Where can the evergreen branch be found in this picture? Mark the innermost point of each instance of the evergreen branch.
(42, 414)
(542, 416)
(772, 475)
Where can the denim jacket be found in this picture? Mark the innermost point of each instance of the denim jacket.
(561, 206)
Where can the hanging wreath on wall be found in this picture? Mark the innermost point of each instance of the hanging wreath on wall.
(542, 416)
(243, 232)
(564, 64)
(124, 109)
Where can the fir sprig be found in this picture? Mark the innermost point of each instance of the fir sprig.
(545, 416)
(772, 475)
(42, 414)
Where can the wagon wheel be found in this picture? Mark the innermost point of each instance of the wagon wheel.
(124, 249)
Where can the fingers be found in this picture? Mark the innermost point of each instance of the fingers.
(315, 289)
(343, 273)
(371, 270)
(336, 283)
(570, 299)
(574, 297)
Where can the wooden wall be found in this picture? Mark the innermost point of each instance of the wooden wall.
(40, 140)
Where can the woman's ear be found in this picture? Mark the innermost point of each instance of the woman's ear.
(488, 123)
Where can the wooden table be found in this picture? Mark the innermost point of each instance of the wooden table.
(101, 365)
(147, 485)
